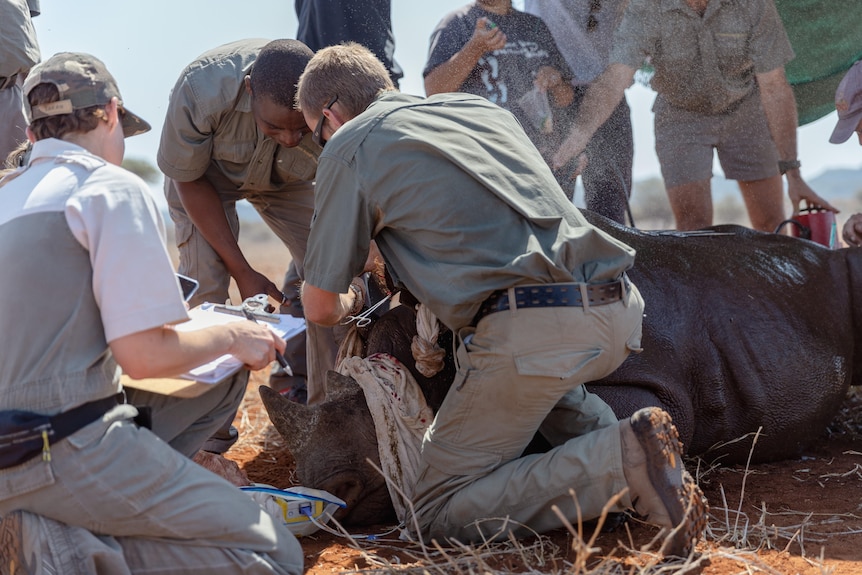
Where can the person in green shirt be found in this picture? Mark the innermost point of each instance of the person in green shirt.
(469, 219)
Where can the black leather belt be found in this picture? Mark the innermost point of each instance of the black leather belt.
(553, 295)
(25, 434)
(68, 422)
(8, 81)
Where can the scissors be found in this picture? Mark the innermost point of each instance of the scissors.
(363, 319)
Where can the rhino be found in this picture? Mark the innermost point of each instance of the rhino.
(743, 331)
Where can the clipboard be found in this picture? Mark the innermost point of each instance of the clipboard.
(201, 379)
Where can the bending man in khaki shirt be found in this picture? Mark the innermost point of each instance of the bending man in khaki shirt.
(231, 133)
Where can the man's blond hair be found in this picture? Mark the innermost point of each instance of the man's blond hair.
(349, 71)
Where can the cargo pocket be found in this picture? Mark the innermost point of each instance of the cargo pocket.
(183, 230)
(30, 476)
(560, 362)
(299, 163)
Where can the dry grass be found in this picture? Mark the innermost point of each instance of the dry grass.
(737, 533)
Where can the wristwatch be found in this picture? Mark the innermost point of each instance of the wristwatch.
(785, 165)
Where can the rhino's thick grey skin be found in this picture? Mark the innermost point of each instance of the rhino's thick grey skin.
(330, 444)
(741, 331)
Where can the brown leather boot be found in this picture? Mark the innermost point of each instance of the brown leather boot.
(661, 489)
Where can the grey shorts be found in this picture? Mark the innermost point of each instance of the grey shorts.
(684, 143)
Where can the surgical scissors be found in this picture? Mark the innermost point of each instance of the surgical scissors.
(363, 319)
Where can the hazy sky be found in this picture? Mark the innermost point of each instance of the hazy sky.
(146, 45)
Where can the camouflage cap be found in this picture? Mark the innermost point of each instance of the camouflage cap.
(848, 103)
(83, 81)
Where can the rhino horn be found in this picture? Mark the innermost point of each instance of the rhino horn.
(290, 419)
(338, 385)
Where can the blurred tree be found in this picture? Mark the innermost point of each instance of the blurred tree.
(649, 205)
(729, 210)
(144, 169)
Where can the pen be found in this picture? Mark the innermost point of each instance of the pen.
(278, 357)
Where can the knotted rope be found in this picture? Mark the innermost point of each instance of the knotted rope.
(428, 355)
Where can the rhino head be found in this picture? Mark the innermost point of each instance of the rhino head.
(330, 443)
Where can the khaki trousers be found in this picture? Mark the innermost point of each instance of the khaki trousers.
(117, 499)
(514, 368)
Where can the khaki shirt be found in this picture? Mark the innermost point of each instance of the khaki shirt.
(703, 64)
(209, 126)
(19, 50)
(459, 201)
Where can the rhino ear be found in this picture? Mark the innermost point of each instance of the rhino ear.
(338, 385)
(290, 419)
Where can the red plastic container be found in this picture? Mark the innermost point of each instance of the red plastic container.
(814, 224)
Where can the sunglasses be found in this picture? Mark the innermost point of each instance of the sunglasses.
(317, 135)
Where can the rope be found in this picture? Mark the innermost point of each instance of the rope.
(428, 355)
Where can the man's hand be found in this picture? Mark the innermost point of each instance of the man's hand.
(547, 77)
(799, 190)
(550, 80)
(487, 37)
(254, 344)
(852, 232)
(252, 283)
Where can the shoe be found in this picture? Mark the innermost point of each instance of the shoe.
(661, 490)
(20, 554)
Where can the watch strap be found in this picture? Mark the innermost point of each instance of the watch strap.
(785, 165)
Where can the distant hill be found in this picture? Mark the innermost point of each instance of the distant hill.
(843, 184)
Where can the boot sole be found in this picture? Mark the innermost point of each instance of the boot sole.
(682, 498)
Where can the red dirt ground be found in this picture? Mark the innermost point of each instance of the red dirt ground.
(786, 515)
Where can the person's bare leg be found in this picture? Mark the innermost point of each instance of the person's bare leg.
(764, 200)
(692, 205)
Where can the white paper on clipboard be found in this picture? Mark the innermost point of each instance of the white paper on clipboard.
(216, 370)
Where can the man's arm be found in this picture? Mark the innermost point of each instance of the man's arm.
(779, 104)
(163, 351)
(448, 76)
(328, 308)
(600, 100)
(205, 209)
(551, 81)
